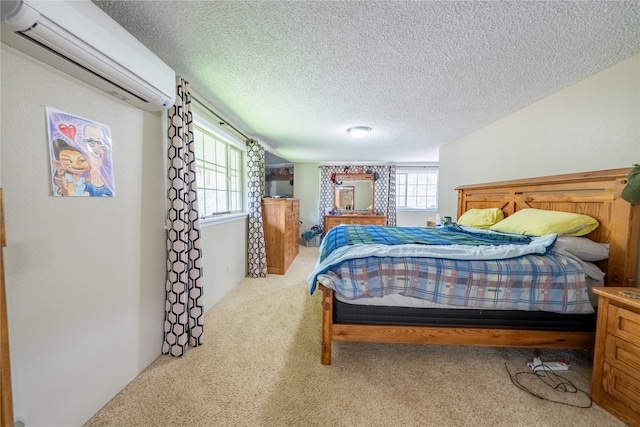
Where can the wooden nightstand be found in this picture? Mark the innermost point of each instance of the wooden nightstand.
(615, 382)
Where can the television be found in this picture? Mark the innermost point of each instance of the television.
(278, 176)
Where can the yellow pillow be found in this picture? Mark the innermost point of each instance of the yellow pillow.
(481, 218)
(538, 222)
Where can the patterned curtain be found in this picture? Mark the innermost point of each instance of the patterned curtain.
(257, 254)
(392, 216)
(184, 308)
(384, 186)
(326, 202)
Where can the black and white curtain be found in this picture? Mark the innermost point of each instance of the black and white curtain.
(184, 305)
(384, 190)
(392, 215)
(257, 254)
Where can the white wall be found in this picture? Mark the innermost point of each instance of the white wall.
(414, 218)
(224, 263)
(84, 290)
(306, 187)
(592, 125)
(85, 277)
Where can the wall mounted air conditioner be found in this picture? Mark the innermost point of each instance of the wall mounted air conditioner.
(78, 38)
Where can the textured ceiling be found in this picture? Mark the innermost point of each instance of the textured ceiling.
(296, 74)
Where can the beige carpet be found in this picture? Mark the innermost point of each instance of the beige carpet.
(260, 366)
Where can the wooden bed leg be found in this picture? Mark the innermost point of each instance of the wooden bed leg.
(327, 320)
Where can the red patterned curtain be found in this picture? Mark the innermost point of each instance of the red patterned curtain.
(184, 307)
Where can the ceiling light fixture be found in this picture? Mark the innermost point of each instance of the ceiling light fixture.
(359, 132)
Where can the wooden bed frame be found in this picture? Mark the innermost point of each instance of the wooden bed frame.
(596, 194)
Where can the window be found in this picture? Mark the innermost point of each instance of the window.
(218, 173)
(417, 189)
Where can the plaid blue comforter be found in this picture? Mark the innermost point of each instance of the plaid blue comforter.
(513, 276)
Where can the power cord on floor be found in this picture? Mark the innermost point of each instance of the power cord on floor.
(551, 379)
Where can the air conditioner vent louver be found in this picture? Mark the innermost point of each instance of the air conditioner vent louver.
(80, 39)
(117, 94)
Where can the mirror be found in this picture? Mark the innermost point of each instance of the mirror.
(278, 176)
(354, 193)
(344, 197)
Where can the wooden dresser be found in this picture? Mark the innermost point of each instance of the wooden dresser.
(281, 221)
(615, 382)
(331, 221)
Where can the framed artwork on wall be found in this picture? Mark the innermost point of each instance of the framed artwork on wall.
(80, 156)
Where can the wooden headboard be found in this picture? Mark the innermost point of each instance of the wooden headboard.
(596, 194)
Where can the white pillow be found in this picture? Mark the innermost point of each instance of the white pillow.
(583, 248)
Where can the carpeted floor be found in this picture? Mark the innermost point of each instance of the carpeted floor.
(260, 366)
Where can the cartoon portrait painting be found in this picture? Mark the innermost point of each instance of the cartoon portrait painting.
(80, 154)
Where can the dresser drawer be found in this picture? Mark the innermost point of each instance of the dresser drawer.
(353, 221)
(623, 355)
(293, 208)
(288, 252)
(615, 380)
(331, 221)
(622, 386)
(291, 237)
(378, 221)
(624, 324)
